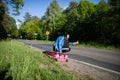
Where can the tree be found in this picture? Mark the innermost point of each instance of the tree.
(16, 4)
(85, 10)
(71, 18)
(31, 28)
(10, 26)
(27, 17)
(71, 6)
(115, 3)
(102, 21)
(51, 16)
(114, 19)
(84, 28)
(3, 33)
(60, 27)
(40, 31)
(28, 30)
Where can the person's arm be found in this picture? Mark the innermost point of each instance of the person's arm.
(72, 43)
(76, 42)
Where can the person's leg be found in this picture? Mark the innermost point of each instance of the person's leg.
(66, 49)
(54, 48)
(69, 49)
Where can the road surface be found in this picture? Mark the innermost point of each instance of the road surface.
(104, 59)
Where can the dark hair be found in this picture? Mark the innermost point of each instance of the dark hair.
(66, 42)
(65, 35)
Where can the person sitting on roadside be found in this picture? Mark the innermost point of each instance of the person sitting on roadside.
(62, 43)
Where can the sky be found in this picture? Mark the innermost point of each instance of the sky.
(38, 7)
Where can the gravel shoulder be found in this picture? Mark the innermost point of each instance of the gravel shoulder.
(84, 70)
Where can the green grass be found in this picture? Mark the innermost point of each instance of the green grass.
(19, 62)
(96, 45)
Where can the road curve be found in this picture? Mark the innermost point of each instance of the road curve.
(106, 59)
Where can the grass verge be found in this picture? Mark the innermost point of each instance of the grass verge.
(19, 62)
(100, 46)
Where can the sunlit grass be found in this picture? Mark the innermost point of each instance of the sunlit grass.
(96, 45)
(19, 62)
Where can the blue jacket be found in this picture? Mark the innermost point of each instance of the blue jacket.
(58, 44)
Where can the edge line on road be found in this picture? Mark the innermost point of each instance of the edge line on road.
(108, 70)
(92, 65)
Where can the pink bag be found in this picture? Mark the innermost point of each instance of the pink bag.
(57, 56)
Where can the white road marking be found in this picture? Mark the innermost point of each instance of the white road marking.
(108, 70)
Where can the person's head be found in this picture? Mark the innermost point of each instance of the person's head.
(67, 36)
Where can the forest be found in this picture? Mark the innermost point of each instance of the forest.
(84, 21)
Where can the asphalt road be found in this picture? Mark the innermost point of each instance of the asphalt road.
(106, 59)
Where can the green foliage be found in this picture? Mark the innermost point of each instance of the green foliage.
(52, 15)
(3, 9)
(27, 17)
(97, 45)
(95, 23)
(84, 21)
(6, 22)
(41, 35)
(115, 3)
(71, 6)
(16, 5)
(10, 26)
(19, 62)
(31, 28)
(85, 10)
(28, 29)
(60, 27)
